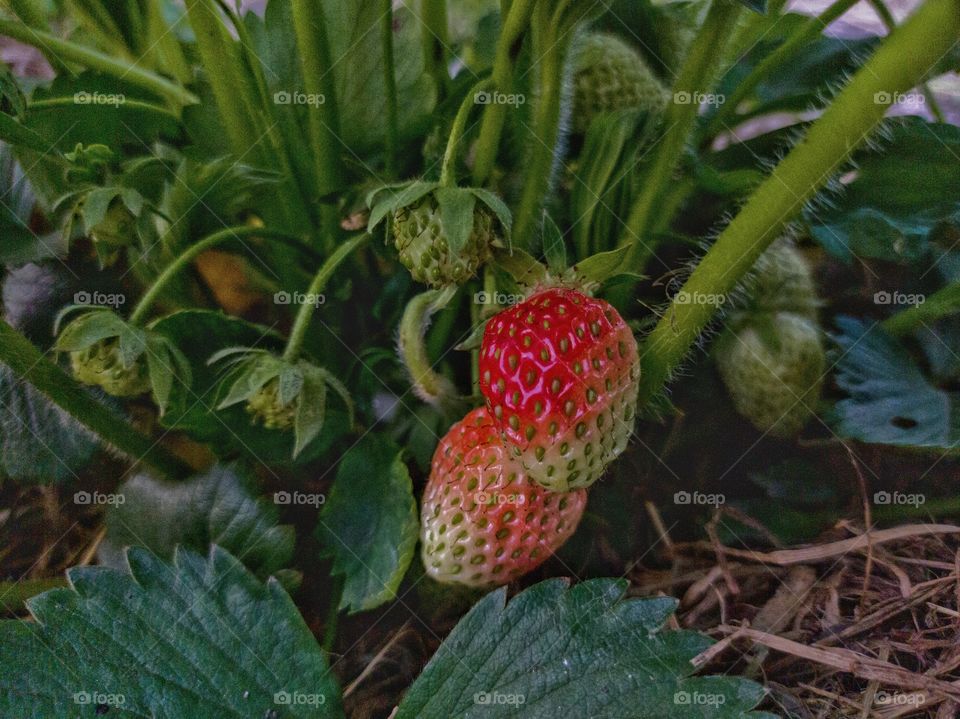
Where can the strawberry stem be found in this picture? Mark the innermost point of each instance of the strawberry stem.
(390, 86)
(148, 299)
(900, 62)
(30, 365)
(447, 170)
(302, 321)
(428, 385)
(436, 42)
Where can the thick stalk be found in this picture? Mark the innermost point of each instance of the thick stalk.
(495, 114)
(695, 78)
(186, 257)
(448, 168)
(30, 365)
(549, 49)
(390, 86)
(779, 57)
(314, 49)
(897, 65)
(319, 283)
(71, 52)
(942, 303)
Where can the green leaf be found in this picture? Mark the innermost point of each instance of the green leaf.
(369, 523)
(890, 401)
(39, 442)
(311, 408)
(898, 199)
(395, 199)
(552, 648)
(497, 206)
(603, 265)
(456, 213)
(201, 638)
(554, 250)
(218, 507)
(89, 328)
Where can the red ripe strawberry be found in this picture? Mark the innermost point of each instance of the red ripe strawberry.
(560, 373)
(483, 522)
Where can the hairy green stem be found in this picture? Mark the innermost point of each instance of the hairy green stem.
(313, 46)
(515, 24)
(776, 59)
(319, 283)
(448, 168)
(942, 303)
(695, 78)
(430, 386)
(903, 58)
(229, 234)
(71, 52)
(550, 50)
(390, 85)
(30, 365)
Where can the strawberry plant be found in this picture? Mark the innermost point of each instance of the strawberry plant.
(463, 358)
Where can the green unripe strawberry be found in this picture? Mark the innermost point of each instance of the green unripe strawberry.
(610, 75)
(773, 365)
(783, 282)
(101, 364)
(422, 241)
(265, 407)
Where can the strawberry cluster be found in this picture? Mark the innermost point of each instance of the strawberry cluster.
(507, 487)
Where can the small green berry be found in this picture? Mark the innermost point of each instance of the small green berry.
(264, 406)
(100, 365)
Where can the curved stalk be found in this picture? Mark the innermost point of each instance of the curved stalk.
(30, 365)
(140, 312)
(694, 78)
(305, 313)
(94, 60)
(940, 304)
(430, 386)
(896, 66)
(447, 178)
(515, 24)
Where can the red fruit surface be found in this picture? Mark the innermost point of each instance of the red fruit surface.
(483, 521)
(560, 374)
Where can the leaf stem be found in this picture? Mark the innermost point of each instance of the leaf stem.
(333, 615)
(30, 365)
(515, 24)
(695, 77)
(319, 283)
(942, 303)
(903, 58)
(72, 52)
(390, 85)
(435, 42)
(447, 171)
(140, 312)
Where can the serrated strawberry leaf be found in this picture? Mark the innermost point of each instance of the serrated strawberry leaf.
(456, 214)
(890, 400)
(369, 523)
(199, 638)
(552, 648)
(218, 507)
